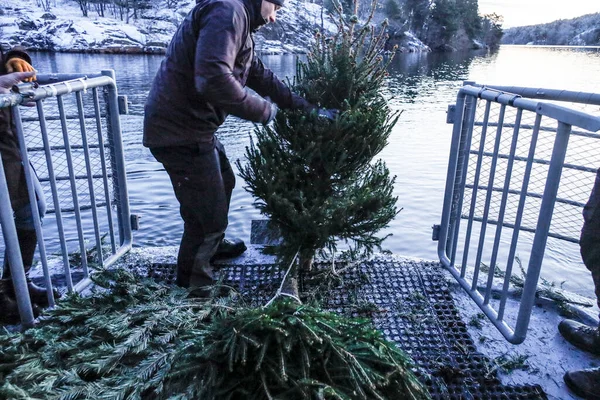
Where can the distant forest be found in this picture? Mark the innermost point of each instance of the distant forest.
(442, 24)
(580, 31)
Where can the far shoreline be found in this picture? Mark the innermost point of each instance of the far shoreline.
(552, 46)
(162, 51)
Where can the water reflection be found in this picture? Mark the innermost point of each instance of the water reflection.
(134, 72)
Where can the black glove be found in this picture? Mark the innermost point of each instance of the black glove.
(274, 110)
(331, 113)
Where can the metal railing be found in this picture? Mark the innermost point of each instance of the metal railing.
(72, 139)
(519, 172)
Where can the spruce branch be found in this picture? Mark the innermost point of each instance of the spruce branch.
(285, 350)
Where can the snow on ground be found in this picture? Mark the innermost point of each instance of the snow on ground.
(543, 358)
(64, 28)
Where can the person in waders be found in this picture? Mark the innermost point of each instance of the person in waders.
(14, 68)
(203, 78)
(586, 383)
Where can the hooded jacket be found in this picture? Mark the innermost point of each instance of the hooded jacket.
(202, 79)
(9, 143)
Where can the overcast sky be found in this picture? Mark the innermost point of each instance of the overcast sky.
(532, 12)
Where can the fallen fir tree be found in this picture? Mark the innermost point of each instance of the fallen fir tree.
(138, 339)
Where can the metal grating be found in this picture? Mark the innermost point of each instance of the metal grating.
(519, 173)
(31, 128)
(72, 138)
(410, 303)
(577, 179)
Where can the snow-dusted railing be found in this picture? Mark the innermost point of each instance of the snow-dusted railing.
(69, 131)
(519, 172)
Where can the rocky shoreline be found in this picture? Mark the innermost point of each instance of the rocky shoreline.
(64, 29)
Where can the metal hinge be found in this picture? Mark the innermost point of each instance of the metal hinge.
(135, 222)
(123, 105)
(450, 113)
(435, 235)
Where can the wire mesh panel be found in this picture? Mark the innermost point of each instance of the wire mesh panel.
(59, 153)
(520, 171)
(71, 132)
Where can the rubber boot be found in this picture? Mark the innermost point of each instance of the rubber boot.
(229, 248)
(584, 383)
(581, 336)
(9, 309)
(202, 281)
(9, 312)
(27, 243)
(200, 277)
(39, 294)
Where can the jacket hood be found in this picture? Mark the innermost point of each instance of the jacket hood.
(253, 7)
(256, 18)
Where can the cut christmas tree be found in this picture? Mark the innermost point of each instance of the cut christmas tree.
(316, 178)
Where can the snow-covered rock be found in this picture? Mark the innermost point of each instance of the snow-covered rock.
(294, 29)
(406, 41)
(63, 28)
(477, 45)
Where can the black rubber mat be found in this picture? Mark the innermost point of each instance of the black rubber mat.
(409, 302)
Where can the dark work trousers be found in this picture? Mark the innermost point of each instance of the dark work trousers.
(590, 235)
(24, 221)
(203, 182)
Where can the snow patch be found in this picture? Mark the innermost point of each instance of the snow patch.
(64, 28)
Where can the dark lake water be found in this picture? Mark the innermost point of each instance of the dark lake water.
(422, 85)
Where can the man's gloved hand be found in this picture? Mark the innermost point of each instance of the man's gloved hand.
(331, 113)
(274, 110)
(9, 80)
(16, 64)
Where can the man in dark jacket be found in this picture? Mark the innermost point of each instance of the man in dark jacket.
(202, 79)
(586, 383)
(14, 66)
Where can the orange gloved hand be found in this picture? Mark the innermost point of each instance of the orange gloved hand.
(19, 65)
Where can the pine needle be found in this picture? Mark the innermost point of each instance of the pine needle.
(284, 351)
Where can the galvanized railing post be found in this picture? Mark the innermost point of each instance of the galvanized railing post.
(118, 159)
(506, 188)
(475, 191)
(450, 179)
(519, 216)
(89, 174)
(55, 198)
(462, 168)
(74, 191)
(543, 227)
(13, 252)
(33, 203)
(488, 200)
(111, 229)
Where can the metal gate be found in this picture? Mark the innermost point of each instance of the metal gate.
(519, 172)
(69, 131)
